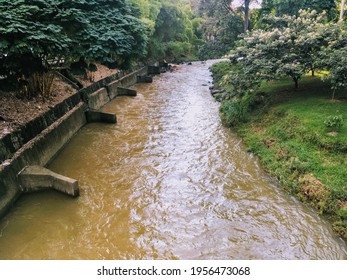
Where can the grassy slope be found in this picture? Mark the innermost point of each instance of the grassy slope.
(295, 146)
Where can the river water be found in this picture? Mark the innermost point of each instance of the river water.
(167, 182)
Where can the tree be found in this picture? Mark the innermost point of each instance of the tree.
(292, 7)
(221, 28)
(29, 37)
(39, 32)
(111, 33)
(342, 9)
(289, 47)
(148, 11)
(176, 33)
(245, 7)
(333, 56)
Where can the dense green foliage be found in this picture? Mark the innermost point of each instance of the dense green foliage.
(291, 46)
(28, 35)
(292, 7)
(221, 29)
(112, 33)
(115, 32)
(37, 36)
(174, 30)
(35, 32)
(182, 39)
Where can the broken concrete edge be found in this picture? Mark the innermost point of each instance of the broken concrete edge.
(34, 178)
(46, 144)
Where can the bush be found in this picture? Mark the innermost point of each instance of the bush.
(334, 123)
(220, 69)
(178, 50)
(235, 111)
(37, 84)
(156, 49)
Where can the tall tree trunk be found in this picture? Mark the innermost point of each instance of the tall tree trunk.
(246, 3)
(246, 24)
(342, 9)
(296, 81)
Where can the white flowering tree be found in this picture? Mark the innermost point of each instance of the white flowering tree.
(333, 56)
(287, 48)
(291, 46)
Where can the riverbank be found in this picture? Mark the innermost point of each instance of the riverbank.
(16, 112)
(289, 134)
(40, 138)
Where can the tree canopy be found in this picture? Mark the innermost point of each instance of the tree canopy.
(34, 32)
(176, 32)
(288, 47)
(221, 28)
(292, 7)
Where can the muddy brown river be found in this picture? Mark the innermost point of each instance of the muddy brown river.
(167, 182)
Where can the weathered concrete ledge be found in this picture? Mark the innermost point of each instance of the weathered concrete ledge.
(14, 141)
(144, 79)
(34, 178)
(38, 151)
(97, 116)
(36, 143)
(98, 99)
(124, 82)
(153, 70)
(126, 92)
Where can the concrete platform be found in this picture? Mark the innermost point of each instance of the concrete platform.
(126, 92)
(144, 79)
(34, 178)
(97, 116)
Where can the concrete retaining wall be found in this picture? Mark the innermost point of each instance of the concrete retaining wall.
(124, 82)
(41, 139)
(14, 141)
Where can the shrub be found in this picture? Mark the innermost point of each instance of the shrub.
(235, 111)
(334, 123)
(39, 84)
(220, 69)
(177, 50)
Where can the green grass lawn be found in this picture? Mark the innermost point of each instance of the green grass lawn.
(295, 145)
